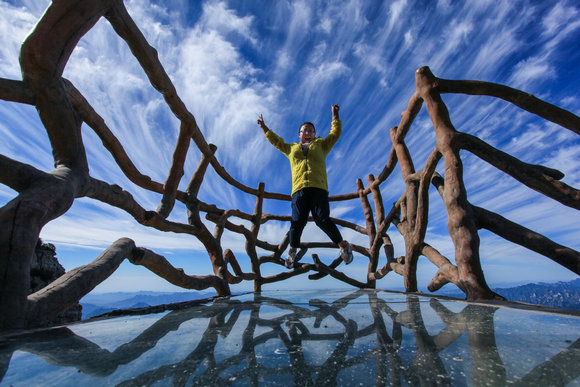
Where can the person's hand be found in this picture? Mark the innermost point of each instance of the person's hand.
(262, 124)
(335, 109)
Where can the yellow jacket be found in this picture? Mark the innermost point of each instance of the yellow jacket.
(308, 170)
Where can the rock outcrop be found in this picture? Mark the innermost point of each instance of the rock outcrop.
(44, 269)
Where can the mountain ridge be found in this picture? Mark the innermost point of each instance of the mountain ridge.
(560, 294)
(97, 304)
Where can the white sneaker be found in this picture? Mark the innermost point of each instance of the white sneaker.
(290, 259)
(346, 254)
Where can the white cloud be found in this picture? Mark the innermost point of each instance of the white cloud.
(324, 73)
(444, 6)
(325, 25)
(457, 34)
(372, 58)
(396, 10)
(221, 88)
(494, 52)
(217, 17)
(297, 21)
(570, 101)
(409, 38)
(532, 70)
(15, 24)
(561, 20)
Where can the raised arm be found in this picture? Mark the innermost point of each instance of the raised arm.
(335, 130)
(335, 109)
(262, 124)
(273, 138)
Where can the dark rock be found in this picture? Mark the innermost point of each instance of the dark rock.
(44, 269)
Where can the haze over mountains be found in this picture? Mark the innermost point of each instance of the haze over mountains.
(97, 304)
(560, 294)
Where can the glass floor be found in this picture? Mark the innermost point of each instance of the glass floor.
(303, 338)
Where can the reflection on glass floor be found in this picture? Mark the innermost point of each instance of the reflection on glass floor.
(305, 338)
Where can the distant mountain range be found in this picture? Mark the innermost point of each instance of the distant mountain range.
(560, 294)
(97, 304)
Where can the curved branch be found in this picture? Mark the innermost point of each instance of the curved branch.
(537, 177)
(17, 175)
(111, 143)
(240, 276)
(160, 266)
(367, 211)
(519, 98)
(67, 290)
(16, 91)
(117, 197)
(423, 196)
(336, 274)
(513, 232)
(447, 271)
(301, 269)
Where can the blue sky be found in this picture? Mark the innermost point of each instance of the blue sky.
(290, 61)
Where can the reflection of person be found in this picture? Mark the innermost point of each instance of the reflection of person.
(309, 183)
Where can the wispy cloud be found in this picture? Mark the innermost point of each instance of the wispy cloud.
(561, 21)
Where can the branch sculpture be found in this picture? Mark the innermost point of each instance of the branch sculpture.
(44, 196)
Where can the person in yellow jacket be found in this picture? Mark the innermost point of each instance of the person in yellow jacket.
(309, 183)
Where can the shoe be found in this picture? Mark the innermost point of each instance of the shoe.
(346, 254)
(290, 259)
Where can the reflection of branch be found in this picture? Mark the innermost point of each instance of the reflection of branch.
(247, 348)
(293, 325)
(557, 371)
(73, 350)
(325, 310)
(455, 324)
(332, 366)
(388, 348)
(426, 367)
(488, 367)
(182, 371)
(298, 365)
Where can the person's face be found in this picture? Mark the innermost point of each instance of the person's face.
(306, 133)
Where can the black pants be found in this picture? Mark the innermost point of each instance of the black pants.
(313, 200)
